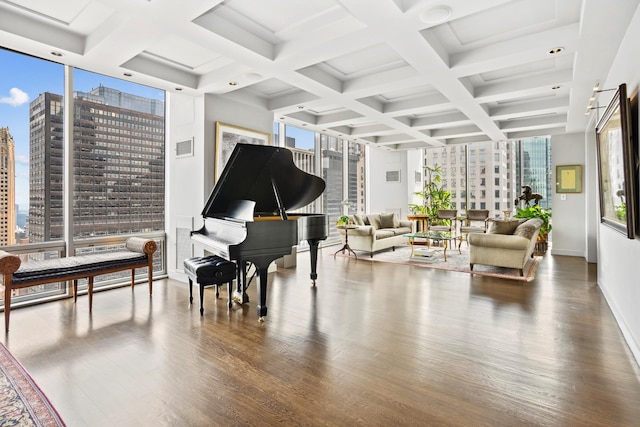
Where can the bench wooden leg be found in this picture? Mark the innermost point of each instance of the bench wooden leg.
(133, 277)
(150, 274)
(7, 304)
(75, 290)
(90, 293)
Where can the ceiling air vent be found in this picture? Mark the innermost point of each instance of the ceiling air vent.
(184, 148)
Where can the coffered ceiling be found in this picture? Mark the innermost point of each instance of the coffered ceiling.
(395, 73)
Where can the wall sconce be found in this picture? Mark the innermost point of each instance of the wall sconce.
(592, 99)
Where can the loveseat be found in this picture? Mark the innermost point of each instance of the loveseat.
(507, 244)
(375, 232)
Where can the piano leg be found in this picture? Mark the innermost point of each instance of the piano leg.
(240, 296)
(313, 252)
(262, 292)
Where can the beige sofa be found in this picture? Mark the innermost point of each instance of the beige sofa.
(375, 232)
(506, 244)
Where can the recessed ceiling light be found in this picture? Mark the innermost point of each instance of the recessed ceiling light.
(556, 87)
(281, 118)
(233, 83)
(56, 53)
(178, 89)
(556, 50)
(436, 14)
(128, 74)
(300, 107)
(304, 124)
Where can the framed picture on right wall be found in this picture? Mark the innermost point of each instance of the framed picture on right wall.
(617, 171)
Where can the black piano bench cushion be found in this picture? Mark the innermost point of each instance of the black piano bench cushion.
(209, 271)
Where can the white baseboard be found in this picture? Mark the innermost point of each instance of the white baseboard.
(626, 333)
(567, 252)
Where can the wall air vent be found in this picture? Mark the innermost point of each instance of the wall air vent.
(393, 176)
(184, 148)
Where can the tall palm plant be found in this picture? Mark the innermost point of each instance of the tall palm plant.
(433, 195)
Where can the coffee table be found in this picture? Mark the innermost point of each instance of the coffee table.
(432, 236)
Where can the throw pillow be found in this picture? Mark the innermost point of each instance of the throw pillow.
(357, 219)
(386, 220)
(525, 230)
(374, 221)
(503, 227)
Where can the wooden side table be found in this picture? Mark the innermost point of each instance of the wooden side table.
(346, 247)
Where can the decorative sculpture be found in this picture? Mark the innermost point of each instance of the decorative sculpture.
(528, 195)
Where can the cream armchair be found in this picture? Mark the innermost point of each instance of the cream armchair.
(507, 244)
(475, 221)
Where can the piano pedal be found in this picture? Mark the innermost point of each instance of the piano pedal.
(240, 298)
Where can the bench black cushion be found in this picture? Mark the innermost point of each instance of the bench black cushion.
(209, 271)
(64, 267)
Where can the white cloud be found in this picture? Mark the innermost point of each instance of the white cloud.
(16, 97)
(22, 160)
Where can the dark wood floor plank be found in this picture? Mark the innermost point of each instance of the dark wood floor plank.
(372, 344)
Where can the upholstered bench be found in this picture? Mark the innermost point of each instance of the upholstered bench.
(209, 271)
(138, 253)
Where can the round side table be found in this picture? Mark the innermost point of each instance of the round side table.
(346, 247)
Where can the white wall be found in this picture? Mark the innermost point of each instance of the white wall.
(392, 196)
(184, 186)
(191, 179)
(569, 232)
(617, 255)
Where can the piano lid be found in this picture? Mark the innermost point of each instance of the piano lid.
(251, 173)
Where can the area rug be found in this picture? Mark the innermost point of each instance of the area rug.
(455, 262)
(22, 403)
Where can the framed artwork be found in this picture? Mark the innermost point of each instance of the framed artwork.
(616, 165)
(569, 179)
(227, 136)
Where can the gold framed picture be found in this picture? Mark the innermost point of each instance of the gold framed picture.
(569, 179)
(227, 136)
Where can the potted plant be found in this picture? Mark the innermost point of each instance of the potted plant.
(536, 211)
(433, 195)
(343, 220)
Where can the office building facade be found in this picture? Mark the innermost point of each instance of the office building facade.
(7, 188)
(118, 164)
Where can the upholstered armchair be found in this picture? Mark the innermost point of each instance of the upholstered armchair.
(445, 220)
(475, 221)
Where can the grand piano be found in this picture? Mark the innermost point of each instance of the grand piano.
(246, 218)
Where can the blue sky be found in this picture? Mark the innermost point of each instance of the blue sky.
(304, 138)
(22, 79)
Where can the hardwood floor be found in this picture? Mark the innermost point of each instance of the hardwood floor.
(373, 344)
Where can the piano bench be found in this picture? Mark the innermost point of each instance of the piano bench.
(209, 271)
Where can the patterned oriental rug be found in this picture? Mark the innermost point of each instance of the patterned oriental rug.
(22, 403)
(455, 262)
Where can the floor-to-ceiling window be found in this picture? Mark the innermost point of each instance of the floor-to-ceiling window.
(356, 178)
(491, 175)
(341, 163)
(533, 160)
(116, 142)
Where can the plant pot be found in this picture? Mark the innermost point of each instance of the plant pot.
(542, 244)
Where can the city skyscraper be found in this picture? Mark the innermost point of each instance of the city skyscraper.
(534, 160)
(491, 175)
(7, 188)
(118, 163)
